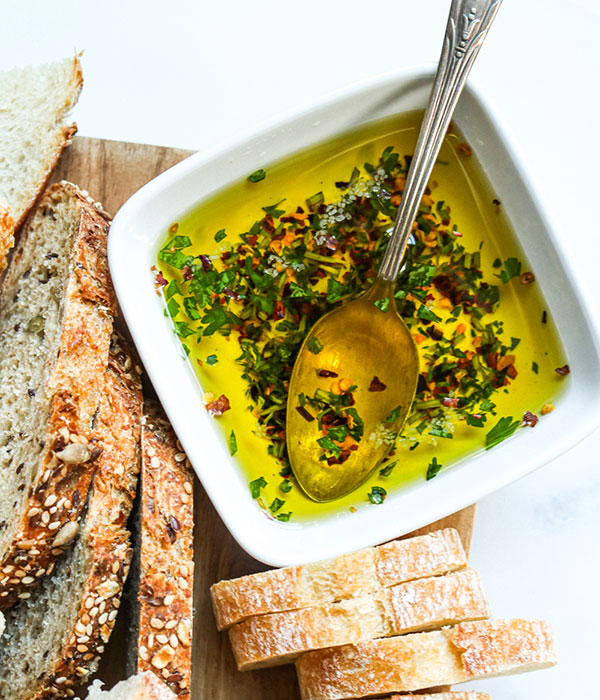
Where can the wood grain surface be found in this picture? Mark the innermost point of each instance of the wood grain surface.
(111, 172)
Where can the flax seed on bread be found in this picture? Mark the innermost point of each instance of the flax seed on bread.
(358, 573)
(56, 319)
(55, 636)
(465, 652)
(422, 604)
(164, 565)
(34, 103)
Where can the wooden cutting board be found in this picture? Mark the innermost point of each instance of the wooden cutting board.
(111, 172)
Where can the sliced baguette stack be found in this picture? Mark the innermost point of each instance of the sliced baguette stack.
(402, 617)
(392, 589)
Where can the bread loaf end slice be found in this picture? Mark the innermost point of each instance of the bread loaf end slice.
(55, 635)
(34, 104)
(56, 319)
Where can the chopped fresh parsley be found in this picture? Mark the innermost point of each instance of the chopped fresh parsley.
(285, 486)
(535, 368)
(503, 429)
(257, 175)
(276, 505)
(377, 495)
(388, 469)
(512, 268)
(256, 486)
(315, 346)
(212, 360)
(233, 447)
(220, 235)
(382, 304)
(433, 469)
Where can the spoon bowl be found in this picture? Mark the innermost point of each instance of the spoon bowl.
(362, 345)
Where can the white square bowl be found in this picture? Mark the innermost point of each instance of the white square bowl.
(142, 222)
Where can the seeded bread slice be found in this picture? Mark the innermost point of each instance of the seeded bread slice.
(34, 103)
(162, 616)
(468, 651)
(56, 318)
(359, 573)
(423, 604)
(144, 686)
(54, 637)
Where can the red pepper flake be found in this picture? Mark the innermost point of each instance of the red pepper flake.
(464, 149)
(530, 419)
(450, 402)
(187, 273)
(252, 240)
(161, 281)
(173, 228)
(218, 407)
(527, 278)
(377, 385)
(206, 263)
(327, 373)
(563, 371)
(279, 311)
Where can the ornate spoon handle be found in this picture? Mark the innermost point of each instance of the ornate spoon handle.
(467, 27)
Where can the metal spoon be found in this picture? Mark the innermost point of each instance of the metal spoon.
(366, 343)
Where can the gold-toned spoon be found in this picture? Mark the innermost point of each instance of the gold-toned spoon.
(355, 376)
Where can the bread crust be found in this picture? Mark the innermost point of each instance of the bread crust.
(75, 385)
(411, 662)
(427, 603)
(7, 238)
(166, 556)
(107, 537)
(346, 576)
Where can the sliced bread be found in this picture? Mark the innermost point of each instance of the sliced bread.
(34, 103)
(56, 319)
(54, 636)
(359, 573)
(143, 686)
(164, 571)
(398, 664)
(423, 604)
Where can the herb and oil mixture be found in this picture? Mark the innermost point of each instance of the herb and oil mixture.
(247, 274)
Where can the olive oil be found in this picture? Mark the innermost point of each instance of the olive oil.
(482, 226)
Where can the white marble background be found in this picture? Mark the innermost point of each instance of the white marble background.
(190, 73)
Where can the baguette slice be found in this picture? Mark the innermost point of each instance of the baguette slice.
(56, 319)
(423, 604)
(144, 686)
(398, 664)
(162, 615)
(34, 103)
(55, 636)
(346, 576)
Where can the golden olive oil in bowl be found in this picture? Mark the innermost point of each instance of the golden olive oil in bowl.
(299, 211)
